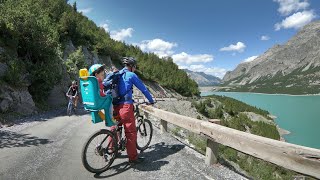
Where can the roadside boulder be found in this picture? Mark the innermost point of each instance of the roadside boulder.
(16, 100)
(23, 102)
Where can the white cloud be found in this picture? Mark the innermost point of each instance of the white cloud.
(215, 71)
(249, 59)
(297, 20)
(158, 46)
(86, 10)
(240, 46)
(183, 67)
(105, 26)
(286, 7)
(122, 34)
(264, 38)
(189, 59)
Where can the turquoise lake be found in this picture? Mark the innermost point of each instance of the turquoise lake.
(298, 114)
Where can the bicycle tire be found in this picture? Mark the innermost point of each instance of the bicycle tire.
(69, 109)
(101, 152)
(144, 133)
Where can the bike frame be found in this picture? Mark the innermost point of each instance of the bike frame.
(119, 129)
(71, 100)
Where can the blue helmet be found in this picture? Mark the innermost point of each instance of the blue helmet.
(94, 68)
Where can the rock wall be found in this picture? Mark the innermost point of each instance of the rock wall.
(57, 95)
(16, 100)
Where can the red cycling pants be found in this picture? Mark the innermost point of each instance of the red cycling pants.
(125, 111)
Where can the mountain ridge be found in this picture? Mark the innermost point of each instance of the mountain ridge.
(203, 79)
(289, 68)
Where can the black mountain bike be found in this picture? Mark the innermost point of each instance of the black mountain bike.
(70, 107)
(101, 149)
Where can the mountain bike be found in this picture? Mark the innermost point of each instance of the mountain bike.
(70, 106)
(102, 147)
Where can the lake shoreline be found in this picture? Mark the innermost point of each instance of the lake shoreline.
(261, 93)
(282, 132)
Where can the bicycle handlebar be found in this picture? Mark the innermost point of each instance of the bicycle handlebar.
(145, 102)
(70, 97)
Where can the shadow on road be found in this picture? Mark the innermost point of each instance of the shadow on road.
(11, 139)
(153, 160)
(117, 169)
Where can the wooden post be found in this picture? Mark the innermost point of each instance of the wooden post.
(212, 147)
(211, 152)
(163, 126)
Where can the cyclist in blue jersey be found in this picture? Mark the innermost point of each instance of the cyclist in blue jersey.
(124, 106)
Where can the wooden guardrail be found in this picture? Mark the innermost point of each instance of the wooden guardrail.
(301, 159)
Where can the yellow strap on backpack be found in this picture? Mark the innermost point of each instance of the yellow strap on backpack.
(102, 115)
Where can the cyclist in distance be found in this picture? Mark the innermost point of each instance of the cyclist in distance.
(73, 91)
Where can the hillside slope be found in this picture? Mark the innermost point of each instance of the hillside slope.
(292, 68)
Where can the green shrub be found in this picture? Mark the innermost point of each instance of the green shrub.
(13, 74)
(199, 142)
(75, 61)
(175, 131)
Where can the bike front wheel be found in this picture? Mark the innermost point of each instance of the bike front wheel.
(144, 133)
(69, 109)
(99, 151)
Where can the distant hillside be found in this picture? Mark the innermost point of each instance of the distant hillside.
(203, 79)
(292, 68)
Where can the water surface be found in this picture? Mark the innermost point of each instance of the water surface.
(298, 114)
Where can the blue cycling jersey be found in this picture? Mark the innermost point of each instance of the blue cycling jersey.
(126, 82)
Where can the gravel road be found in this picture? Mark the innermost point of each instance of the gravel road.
(49, 146)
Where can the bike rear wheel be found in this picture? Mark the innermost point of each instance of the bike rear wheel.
(99, 151)
(144, 133)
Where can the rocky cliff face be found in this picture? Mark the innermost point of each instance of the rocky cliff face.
(294, 65)
(203, 79)
(13, 99)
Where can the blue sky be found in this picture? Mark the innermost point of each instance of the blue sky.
(212, 36)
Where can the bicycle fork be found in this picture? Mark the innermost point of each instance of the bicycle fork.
(142, 131)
